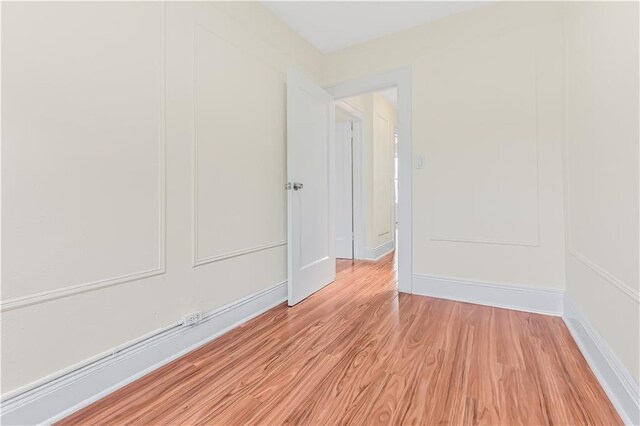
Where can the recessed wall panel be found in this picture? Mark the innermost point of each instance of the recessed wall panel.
(239, 150)
(82, 143)
(483, 151)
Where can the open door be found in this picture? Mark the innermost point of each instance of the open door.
(310, 196)
(344, 191)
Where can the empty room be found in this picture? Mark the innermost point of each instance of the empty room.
(320, 213)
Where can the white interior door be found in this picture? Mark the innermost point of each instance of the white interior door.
(344, 187)
(310, 199)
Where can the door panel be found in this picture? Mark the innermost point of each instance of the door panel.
(310, 170)
(344, 199)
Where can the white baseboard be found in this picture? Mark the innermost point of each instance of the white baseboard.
(378, 252)
(614, 378)
(508, 296)
(61, 396)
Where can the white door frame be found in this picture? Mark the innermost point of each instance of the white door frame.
(401, 79)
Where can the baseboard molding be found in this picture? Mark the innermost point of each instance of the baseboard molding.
(614, 378)
(378, 252)
(508, 296)
(61, 396)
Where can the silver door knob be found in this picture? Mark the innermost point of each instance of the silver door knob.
(297, 185)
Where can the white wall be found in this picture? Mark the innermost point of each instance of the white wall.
(601, 172)
(139, 141)
(378, 124)
(487, 118)
(127, 153)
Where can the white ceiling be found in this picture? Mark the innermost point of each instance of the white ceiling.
(333, 25)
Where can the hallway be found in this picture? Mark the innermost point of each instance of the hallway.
(358, 352)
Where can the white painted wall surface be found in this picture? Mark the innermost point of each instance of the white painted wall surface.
(139, 140)
(601, 172)
(487, 97)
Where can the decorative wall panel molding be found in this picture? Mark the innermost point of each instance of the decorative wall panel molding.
(44, 296)
(625, 288)
(237, 253)
(621, 285)
(484, 158)
(231, 135)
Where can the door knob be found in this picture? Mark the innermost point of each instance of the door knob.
(297, 185)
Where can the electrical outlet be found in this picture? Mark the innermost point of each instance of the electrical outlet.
(192, 319)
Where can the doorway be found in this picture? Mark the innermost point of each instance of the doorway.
(311, 210)
(401, 79)
(365, 136)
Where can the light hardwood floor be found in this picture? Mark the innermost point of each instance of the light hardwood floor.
(358, 352)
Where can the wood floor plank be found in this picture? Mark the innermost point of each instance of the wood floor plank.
(357, 352)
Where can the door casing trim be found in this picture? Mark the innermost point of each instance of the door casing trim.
(401, 79)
